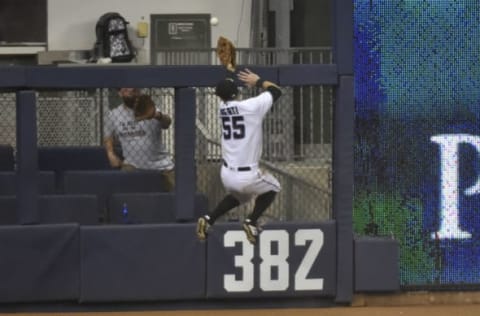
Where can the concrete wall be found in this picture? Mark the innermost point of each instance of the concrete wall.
(71, 23)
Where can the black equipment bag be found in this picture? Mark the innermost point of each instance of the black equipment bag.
(112, 38)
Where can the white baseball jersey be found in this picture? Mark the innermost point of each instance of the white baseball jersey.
(242, 138)
(242, 142)
(140, 140)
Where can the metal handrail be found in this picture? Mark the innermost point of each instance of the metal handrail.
(258, 56)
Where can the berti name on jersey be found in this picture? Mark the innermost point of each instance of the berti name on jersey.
(233, 110)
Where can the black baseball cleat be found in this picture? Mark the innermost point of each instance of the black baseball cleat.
(251, 231)
(202, 228)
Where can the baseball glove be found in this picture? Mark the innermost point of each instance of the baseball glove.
(226, 52)
(144, 108)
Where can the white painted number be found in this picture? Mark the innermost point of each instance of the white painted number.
(243, 261)
(301, 238)
(274, 267)
(270, 261)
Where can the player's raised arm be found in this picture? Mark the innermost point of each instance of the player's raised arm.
(251, 79)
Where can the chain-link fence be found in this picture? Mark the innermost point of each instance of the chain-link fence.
(297, 133)
(297, 137)
(303, 169)
(76, 118)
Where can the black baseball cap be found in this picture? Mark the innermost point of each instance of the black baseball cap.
(226, 89)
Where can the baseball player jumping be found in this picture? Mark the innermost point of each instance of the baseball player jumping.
(241, 152)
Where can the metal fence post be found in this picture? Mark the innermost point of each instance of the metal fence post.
(185, 175)
(27, 158)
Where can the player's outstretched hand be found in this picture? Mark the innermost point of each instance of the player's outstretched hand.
(248, 77)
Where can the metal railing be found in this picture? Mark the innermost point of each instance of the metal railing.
(245, 56)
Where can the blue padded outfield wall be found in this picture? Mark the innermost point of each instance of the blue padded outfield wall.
(417, 168)
(165, 262)
(45, 262)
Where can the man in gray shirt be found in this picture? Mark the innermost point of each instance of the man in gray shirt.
(140, 139)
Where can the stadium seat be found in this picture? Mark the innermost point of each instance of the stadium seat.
(54, 209)
(62, 158)
(104, 183)
(46, 182)
(68, 208)
(8, 210)
(150, 207)
(59, 158)
(7, 159)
